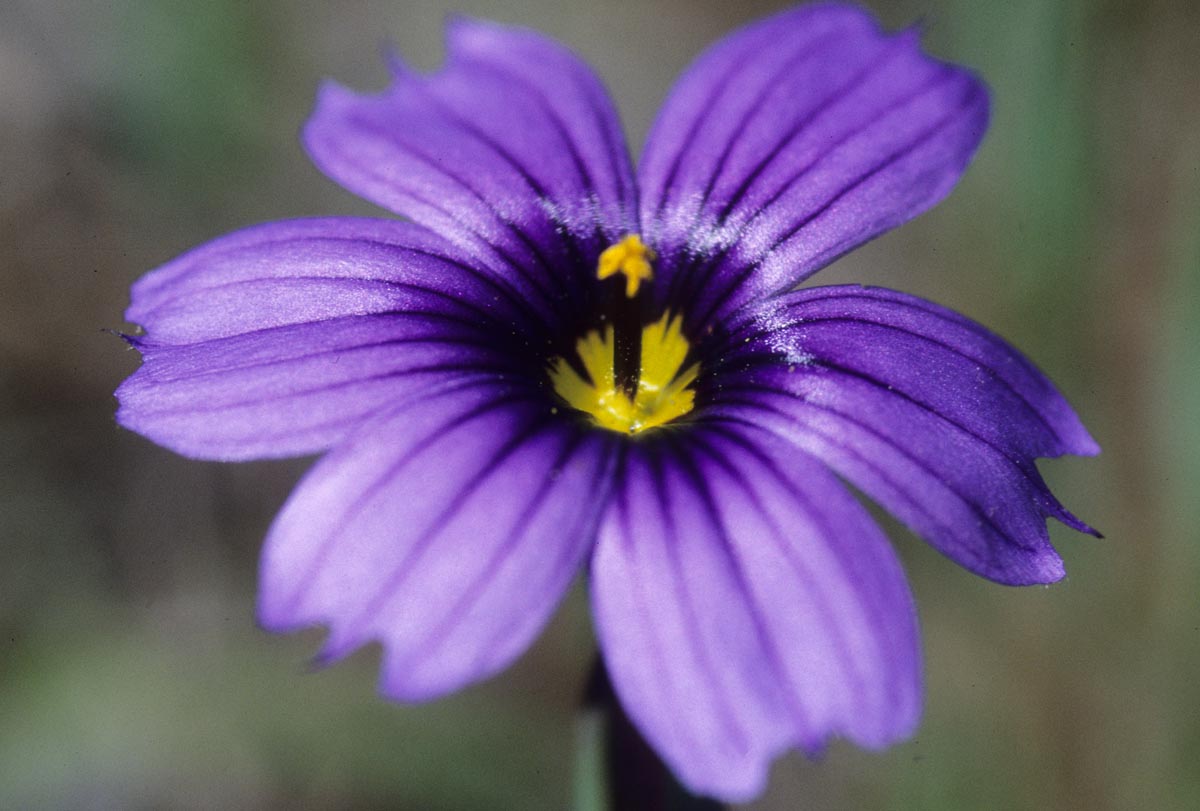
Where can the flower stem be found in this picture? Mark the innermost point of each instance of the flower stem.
(637, 780)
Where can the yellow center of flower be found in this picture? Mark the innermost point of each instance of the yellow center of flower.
(662, 392)
(631, 257)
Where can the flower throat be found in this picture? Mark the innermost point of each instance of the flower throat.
(637, 380)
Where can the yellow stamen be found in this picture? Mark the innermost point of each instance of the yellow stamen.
(631, 257)
(663, 391)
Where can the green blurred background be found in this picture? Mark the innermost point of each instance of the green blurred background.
(131, 673)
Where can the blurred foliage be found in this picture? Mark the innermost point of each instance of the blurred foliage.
(132, 675)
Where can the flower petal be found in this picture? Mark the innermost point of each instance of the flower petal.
(513, 151)
(746, 604)
(447, 530)
(934, 417)
(300, 271)
(791, 142)
(277, 340)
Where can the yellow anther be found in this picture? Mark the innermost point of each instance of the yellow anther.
(663, 389)
(631, 257)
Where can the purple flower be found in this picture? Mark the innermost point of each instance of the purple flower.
(563, 363)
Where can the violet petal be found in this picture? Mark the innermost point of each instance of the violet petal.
(791, 142)
(277, 340)
(930, 414)
(513, 151)
(447, 530)
(745, 603)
